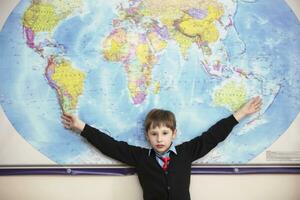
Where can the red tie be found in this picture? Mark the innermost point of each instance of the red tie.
(166, 162)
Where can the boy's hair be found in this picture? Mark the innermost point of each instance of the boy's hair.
(159, 117)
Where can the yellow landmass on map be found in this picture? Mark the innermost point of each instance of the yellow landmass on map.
(139, 73)
(143, 53)
(41, 17)
(157, 43)
(182, 27)
(205, 28)
(70, 82)
(64, 7)
(115, 46)
(133, 89)
(171, 10)
(231, 95)
(113, 53)
(44, 15)
(184, 42)
(156, 87)
(137, 54)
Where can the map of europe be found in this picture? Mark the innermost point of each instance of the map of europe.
(111, 62)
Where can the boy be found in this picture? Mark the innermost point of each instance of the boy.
(164, 170)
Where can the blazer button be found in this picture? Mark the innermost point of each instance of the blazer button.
(169, 188)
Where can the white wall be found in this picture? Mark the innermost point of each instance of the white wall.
(245, 187)
(225, 187)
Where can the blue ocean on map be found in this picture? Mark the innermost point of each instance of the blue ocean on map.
(256, 53)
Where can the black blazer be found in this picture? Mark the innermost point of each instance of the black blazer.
(156, 183)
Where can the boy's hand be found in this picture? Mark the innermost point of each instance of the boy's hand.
(249, 108)
(72, 122)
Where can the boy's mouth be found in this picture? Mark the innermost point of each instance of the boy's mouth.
(160, 146)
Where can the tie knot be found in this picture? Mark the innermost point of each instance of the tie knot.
(166, 162)
(165, 159)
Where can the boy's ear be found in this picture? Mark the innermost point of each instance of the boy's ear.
(146, 136)
(174, 134)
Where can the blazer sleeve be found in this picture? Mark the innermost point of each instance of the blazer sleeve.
(201, 145)
(118, 150)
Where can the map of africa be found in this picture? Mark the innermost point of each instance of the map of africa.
(112, 62)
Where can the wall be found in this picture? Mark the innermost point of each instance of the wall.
(246, 187)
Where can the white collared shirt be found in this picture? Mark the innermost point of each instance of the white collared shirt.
(166, 154)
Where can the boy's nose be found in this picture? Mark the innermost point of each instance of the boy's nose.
(159, 138)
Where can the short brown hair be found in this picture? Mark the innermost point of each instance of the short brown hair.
(159, 117)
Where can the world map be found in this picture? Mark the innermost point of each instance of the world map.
(112, 62)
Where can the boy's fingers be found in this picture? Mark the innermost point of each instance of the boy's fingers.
(256, 101)
(68, 118)
(66, 124)
(64, 117)
(67, 127)
(258, 106)
(65, 121)
(259, 103)
(67, 114)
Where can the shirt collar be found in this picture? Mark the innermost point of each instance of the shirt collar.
(171, 149)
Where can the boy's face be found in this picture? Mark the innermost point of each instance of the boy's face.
(160, 138)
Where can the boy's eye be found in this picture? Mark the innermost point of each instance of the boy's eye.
(165, 133)
(153, 133)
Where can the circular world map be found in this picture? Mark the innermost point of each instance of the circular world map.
(110, 62)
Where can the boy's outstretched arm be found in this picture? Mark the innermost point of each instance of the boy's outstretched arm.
(201, 145)
(249, 108)
(118, 150)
